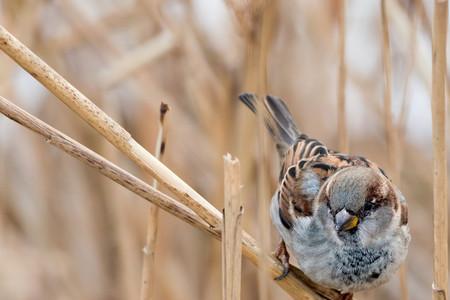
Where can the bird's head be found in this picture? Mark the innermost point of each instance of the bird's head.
(362, 203)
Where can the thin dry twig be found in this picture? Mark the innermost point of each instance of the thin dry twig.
(438, 109)
(148, 268)
(342, 79)
(295, 284)
(232, 231)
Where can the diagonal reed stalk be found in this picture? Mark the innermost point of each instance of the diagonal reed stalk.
(148, 268)
(232, 230)
(206, 216)
(438, 109)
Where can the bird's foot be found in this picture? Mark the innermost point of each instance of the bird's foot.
(282, 255)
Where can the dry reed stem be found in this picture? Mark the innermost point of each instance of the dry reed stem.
(264, 17)
(401, 129)
(438, 109)
(342, 79)
(296, 284)
(403, 25)
(105, 125)
(387, 91)
(137, 58)
(232, 230)
(148, 268)
(390, 129)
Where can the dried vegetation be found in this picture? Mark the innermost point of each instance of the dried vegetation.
(68, 233)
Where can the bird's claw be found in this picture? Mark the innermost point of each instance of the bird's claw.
(284, 274)
(282, 255)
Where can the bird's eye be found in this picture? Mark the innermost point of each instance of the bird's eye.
(368, 208)
(370, 205)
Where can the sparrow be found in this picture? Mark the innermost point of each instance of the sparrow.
(340, 216)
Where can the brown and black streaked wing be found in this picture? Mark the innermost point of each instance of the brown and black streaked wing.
(303, 150)
(294, 201)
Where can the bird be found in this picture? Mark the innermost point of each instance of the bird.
(338, 214)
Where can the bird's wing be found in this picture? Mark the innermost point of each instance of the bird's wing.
(299, 180)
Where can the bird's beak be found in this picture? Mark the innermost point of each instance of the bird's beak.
(346, 221)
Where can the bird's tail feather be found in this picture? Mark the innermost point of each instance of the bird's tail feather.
(278, 120)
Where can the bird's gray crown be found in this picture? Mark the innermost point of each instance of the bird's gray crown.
(349, 188)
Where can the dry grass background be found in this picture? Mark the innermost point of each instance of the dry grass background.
(68, 233)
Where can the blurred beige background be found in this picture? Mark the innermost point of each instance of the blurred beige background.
(68, 233)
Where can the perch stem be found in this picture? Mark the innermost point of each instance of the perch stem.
(438, 110)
